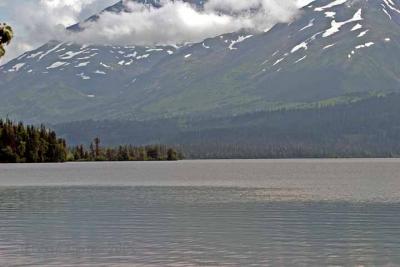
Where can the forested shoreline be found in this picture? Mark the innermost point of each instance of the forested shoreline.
(123, 153)
(369, 128)
(364, 129)
(31, 144)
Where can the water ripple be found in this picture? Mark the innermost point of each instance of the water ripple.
(179, 226)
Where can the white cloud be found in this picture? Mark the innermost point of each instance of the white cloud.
(178, 22)
(37, 21)
(175, 22)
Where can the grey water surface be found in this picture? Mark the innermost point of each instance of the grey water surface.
(201, 213)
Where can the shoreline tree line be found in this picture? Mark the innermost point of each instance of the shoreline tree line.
(123, 153)
(31, 144)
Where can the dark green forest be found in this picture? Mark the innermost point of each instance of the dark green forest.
(19, 143)
(123, 153)
(367, 128)
(30, 144)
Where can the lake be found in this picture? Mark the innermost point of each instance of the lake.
(201, 213)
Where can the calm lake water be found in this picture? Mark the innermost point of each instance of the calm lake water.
(201, 213)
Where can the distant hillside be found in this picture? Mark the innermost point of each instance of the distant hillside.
(368, 128)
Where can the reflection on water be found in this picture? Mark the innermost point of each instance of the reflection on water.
(195, 226)
(181, 226)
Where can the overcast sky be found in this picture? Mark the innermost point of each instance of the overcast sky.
(37, 21)
(23, 16)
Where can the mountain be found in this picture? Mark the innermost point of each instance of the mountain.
(334, 52)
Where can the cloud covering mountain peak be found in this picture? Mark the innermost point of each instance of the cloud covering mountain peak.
(172, 22)
(176, 22)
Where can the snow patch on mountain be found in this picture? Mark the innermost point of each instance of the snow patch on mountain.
(303, 45)
(390, 4)
(70, 54)
(143, 56)
(328, 46)
(362, 34)
(335, 26)
(239, 40)
(309, 25)
(364, 45)
(83, 76)
(300, 59)
(35, 55)
(105, 65)
(356, 27)
(278, 61)
(100, 72)
(50, 51)
(205, 46)
(82, 64)
(330, 5)
(330, 14)
(16, 67)
(57, 65)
